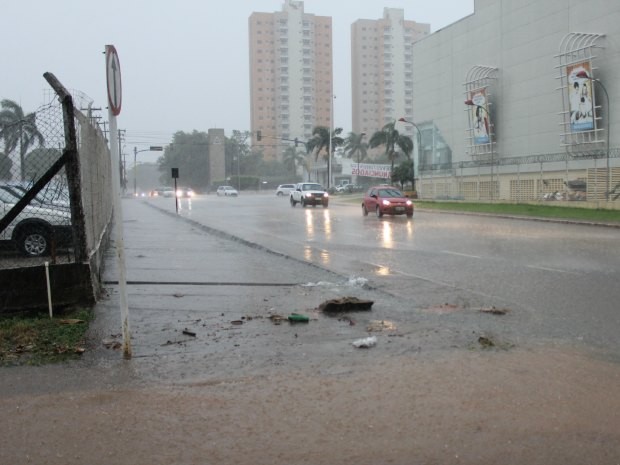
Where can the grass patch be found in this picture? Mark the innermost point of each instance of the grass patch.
(38, 340)
(539, 211)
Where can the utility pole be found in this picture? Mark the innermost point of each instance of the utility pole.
(121, 159)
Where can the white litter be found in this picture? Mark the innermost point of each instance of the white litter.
(366, 343)
(357, 282)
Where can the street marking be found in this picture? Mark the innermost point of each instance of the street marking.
(543, 268)
(460, 254)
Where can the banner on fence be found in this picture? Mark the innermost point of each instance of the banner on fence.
(370, 170)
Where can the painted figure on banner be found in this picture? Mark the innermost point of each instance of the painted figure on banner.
(480, 117)
(581, 101)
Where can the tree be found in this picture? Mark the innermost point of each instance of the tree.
(189, 152)
(355, 145)
(18, 130)
(291, 159)
(319, 142)
(39, 161)
(389, 137)
(402, 173)
(5, 167)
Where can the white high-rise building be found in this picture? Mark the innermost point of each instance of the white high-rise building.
(382, 70)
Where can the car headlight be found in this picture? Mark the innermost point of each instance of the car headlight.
(385, 202)
(325, 194)
(308, 194)
(409, 203)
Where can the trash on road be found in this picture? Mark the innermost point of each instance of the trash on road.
(276, 319)
(187, 332)
(298, 318)
(236, 322)
(365, 343)
(345, 304)
(486, 342)
(494, 310)
(380, 325)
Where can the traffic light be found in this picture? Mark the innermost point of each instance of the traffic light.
(258, 135)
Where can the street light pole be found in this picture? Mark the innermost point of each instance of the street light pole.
(403, 120)
(471, 103)
(584, 75)
(152, 148)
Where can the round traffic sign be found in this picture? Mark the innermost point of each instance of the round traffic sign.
(113, 77)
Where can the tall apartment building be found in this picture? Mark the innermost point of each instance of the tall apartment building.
(291, 76)
(382, 70)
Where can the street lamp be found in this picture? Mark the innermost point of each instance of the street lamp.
(403, 120)
(471, 103)
(583, 75)
(152, 148)
(362, 135)
(329, 157)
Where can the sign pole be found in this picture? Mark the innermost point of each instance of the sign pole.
(113, 74)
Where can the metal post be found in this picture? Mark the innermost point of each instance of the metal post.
(135, 155)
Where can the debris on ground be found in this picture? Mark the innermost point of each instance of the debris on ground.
(442, 308)
(112, 342)
(486, 342)
(348, 319)
(380, 325)
(236, 322)
(298, 318)
(494, 310)
(365, 343)
(345, 304)
(187, 332)
(276, 319)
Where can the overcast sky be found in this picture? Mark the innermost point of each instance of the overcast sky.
(184, 63)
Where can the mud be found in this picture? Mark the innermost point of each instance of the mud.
(546, 406)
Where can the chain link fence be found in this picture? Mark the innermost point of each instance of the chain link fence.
(55, 195)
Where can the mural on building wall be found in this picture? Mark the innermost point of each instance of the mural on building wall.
(581, 98)
(480, 116)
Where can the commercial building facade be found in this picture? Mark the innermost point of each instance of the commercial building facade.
(518, 101)
(291, 78)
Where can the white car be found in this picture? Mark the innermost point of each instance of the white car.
(309, 193)
(227, 191)
(284, 189)
(36, 227)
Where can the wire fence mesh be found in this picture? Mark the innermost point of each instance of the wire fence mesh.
(30, 145)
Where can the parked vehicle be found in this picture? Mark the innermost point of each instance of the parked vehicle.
(386, 200)
(36, 227)
(284, 189)
(227, 191)
(309, 193)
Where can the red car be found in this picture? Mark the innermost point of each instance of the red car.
(386, 200)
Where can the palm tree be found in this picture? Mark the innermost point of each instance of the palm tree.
(355, 145)
(18, 130)
(292, 158)
(320, 142)
(389, 137)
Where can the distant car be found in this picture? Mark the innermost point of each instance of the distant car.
(309, 193)
(163, 191)
(284, 189)
(185, 192)
(386, 200)
(227, 191)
